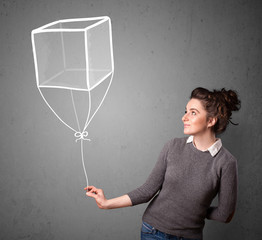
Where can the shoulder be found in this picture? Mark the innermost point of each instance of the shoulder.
(225, 159)
(225, 154)
(176, 143)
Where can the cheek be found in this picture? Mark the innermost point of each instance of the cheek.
(199, 121)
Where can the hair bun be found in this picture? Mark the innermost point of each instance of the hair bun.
(228, 101)
(231, 99)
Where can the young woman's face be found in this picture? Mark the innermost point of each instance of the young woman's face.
(195, 118)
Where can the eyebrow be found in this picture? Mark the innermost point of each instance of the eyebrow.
(193, 109)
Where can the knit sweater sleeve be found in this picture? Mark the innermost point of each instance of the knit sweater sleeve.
(227, 195)
(153, 183)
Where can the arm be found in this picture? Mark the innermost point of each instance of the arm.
(139, 195)
(103, 203)
(227, 195)
(154, 182)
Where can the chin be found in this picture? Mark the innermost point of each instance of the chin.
(187, 133)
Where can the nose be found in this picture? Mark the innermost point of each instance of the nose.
(185, 118)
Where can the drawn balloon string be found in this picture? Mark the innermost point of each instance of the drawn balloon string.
(74, 55)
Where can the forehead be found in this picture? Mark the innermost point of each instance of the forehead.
(195, 103)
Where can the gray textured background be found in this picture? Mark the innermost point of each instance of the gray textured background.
(163, 49)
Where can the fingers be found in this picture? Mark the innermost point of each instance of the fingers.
(92, 195)
(89, 188)
(92, 191)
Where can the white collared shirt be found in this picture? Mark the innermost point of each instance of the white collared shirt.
(213, 150)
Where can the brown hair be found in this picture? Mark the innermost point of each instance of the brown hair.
(218, 104)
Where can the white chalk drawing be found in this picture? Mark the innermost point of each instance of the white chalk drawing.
(76, 56)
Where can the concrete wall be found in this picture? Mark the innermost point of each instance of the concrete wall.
(163, 49)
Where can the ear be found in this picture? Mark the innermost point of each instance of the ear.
(211, 122)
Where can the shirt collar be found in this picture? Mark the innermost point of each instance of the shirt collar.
(213, 150)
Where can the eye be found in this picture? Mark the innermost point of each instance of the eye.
(193, 113)
(186, 112)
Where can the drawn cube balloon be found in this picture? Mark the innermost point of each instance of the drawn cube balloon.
(73, 54)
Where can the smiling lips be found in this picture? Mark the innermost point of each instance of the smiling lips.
(186, 125)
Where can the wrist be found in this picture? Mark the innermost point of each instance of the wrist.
(106, 204)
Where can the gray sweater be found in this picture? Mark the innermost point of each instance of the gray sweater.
(183, 184)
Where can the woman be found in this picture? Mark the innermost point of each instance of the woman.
(189, 173)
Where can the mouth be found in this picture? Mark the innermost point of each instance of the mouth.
(186, 125)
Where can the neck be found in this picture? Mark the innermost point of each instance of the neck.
(203, 142)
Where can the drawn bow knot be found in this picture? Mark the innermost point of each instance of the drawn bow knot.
(82, 135)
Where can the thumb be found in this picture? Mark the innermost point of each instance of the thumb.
(90, 194)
